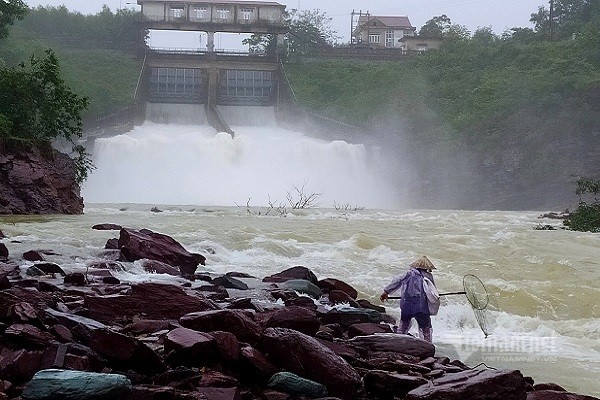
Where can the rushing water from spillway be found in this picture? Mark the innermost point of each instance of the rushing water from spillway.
(545, 297)
(175, 158)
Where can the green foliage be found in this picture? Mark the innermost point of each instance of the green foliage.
(106, 29)
(107, 76)
(435, 27)
(587, 216)
(37, 103)
(83, 163)
(10, 10)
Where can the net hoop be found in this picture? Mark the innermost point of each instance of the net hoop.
(476, 292)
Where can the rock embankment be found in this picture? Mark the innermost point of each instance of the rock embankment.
(232, 337)
(37, 179)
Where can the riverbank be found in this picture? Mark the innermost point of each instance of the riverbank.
(256, 320)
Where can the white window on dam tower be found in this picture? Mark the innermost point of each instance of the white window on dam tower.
(247, 14)
(199, 13)
(176, 12)
(223, 14)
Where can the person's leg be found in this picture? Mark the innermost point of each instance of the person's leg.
(405, 321)
(425, 329)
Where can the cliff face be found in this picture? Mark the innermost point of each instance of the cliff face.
(37, 179)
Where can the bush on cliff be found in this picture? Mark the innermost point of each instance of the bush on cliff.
(587, 216)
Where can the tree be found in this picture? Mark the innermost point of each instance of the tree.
(36, 102)
(435, 27)
(484, 36)
(587, 216)
(309, 31)
(10, 10)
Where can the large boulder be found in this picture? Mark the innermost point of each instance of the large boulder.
(136, 245)
(307, 357)
(546, 394)
(474, 385)
(368, 328)
(154, 300)
(330, 284)
(55, 384)
(295, 385)
(238, 322)
(124, 352)
(37, 179)
(386, 385)
(298, 318)
(190, 347)
(293, 273)
(394, 343)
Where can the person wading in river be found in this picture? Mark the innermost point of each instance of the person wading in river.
(413, 303)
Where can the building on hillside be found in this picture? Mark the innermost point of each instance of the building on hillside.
(412, 44)
(382, 31)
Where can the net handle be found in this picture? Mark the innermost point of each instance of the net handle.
(441, 294)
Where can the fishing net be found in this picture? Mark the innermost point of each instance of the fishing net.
(479, 299)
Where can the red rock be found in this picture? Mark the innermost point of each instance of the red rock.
(3, 251)
(136, 245)
(228, 345)
(107, 227)
(153, 392)
(275, 395)
(154, 300)
(474, 385)
(217, 380)
(220, 393)
(62, 333)
(340, 297)
(33, 255)
(19, 366)
(394, 343)
(293, 273)
(125, 352)
(112, 244)
(368, 328)
(36, 179)
(305, 302)
(256, 365)
(50, 268)
(76, 279)
(28, 336)
(157, 267)
(545, 394)
(297, 318)
(368, 305)
(549, 386)
(330, 284)
(341, 349)
(189, 347)
(24, 313)
(238, 322)
(385, 384)
(4, 282)
(141, 326)
(307, 357)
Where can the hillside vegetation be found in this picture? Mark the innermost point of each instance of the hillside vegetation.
(95, 52)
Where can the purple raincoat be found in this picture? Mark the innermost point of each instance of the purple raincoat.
(410, 284)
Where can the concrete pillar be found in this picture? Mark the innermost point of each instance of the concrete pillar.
(280, 39)
(210, 43)
(213, 86)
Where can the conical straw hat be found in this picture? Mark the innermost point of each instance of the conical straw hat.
(423, 263)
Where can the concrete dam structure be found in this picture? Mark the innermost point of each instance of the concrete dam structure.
(211, 77)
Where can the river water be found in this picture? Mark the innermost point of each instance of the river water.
(544, 309)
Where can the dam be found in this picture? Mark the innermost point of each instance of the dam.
(210, 76)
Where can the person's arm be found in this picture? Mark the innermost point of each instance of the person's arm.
(392, 287)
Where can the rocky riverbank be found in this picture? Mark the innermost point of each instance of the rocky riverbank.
(87, 335)
(37, 179)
